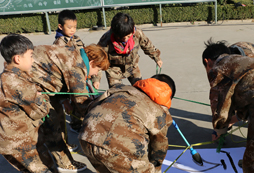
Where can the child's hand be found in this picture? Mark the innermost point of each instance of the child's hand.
(159, 63)
(215, 136)
(38, 93)
(96, 85)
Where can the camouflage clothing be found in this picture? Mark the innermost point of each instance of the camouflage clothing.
(21, 110)
(61, 69)
(244, 48)
(74, 41)
(232, 92)
(126, 66)
(125, 131)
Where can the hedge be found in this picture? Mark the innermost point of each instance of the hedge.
(30, 23)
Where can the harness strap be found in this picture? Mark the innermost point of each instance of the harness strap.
(240, 49)
(86, 61)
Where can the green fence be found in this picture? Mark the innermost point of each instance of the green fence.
(9, 7)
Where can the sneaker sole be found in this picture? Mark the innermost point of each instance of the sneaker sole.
(71, 170)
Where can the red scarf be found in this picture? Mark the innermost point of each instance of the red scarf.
(123, 48)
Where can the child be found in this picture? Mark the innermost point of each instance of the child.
(122, 43)
(65, 36)
(231, 79)
(24, 143)
(67, 25)
(61, 69)
(126, 128)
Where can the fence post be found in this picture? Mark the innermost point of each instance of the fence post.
(161, 15)
(104, 15)
(48, 23)
(215, 11)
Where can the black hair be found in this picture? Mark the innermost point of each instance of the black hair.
(122, 24)
(66, 15)
(165, 78)
(14, 44)
(214, 50)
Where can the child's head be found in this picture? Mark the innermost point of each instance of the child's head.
(213, 51)
(98, 59)
(67, 22)
(122, 25)
(160, 88)
(17, 50)
(168, 80)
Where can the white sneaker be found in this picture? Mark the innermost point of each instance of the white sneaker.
(74, 167)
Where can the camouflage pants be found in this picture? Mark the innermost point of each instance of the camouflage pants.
(29, 160)
(76, 121)
(105, 161)
(115, 75)
(45, 154)
(55, 102)
(52, 137)
(77, 118)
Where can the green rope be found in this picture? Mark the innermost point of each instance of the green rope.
(158, 69)
(223, 136)
(71, 93)
(222, 139)
(43, 119)
(192, 101)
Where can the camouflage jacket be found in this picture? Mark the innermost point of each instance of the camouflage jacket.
(130, 60)
(75, 42)
(61, 69)
(231, 81)
(245, 48)
(126, 121)
(21, 110)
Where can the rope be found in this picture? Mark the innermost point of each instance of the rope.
(176, 159)
(192, 101)
(204, 143)
(67, 93)
(158, 71)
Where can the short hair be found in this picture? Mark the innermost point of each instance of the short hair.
(165, 78)
(214, 50)
(98, 55)
(122, 24)
(14, 44)
(66, 15)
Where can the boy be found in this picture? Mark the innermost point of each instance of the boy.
(125, 129)
(62, 69)
(21, 110)
(122, 43)
(231, 79)
(65, 36)
(67, 25)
